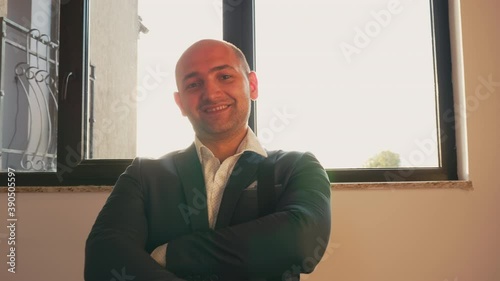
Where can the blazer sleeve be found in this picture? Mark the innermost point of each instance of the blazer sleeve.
(115, 247)
(291, 239)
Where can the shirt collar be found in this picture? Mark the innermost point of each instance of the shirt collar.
(249, 143)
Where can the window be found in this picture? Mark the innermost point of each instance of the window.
(354, 82)
(111, 80)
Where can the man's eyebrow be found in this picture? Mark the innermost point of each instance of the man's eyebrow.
(189, 75)
(216, 68)
(220, 67)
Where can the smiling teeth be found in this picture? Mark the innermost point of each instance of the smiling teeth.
(217, 108)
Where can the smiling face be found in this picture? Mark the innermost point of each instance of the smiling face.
(214, 90)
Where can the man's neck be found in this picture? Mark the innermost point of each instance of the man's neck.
(224, 146)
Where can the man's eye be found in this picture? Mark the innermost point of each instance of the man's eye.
(225, 76)
(192, 85)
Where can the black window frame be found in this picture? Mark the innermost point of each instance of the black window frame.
(238, 28)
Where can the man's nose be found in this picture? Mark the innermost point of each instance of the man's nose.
(211, 90)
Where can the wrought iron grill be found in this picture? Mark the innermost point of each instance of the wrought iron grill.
(28, 98)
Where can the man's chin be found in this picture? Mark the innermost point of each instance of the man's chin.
(217, 131)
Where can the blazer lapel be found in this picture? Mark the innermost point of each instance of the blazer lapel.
(191, 176)
(244, 173)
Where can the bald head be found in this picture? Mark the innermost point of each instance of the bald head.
(204, 48)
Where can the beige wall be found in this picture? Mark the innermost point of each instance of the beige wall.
(393, 235)
(51, 232)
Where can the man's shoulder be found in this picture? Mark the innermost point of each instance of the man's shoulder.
(292, 160)
(164, 161)
(302, 167)
(283, 155)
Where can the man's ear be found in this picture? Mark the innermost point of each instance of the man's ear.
(254, 85)
(179, 103)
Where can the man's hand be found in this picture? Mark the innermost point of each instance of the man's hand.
(159, 254)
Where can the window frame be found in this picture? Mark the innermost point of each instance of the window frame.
(239, 29)
(445, 116)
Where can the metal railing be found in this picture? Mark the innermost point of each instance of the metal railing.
(28, 98)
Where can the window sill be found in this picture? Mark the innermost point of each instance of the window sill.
(463, 185)
(455, 184)
(61, 189)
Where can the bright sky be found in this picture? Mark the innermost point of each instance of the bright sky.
(313, 95)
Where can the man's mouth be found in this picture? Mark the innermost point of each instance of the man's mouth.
(215, 109)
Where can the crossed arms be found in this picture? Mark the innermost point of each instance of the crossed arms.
(293, 238)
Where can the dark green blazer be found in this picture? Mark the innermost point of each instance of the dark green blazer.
(157, 201)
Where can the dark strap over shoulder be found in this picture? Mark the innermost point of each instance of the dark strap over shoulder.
(266, 194)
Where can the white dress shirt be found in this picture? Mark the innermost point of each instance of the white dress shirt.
(216, 174)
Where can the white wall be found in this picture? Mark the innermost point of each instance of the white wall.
(393, 235)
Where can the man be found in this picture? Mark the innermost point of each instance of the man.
(224, 208)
